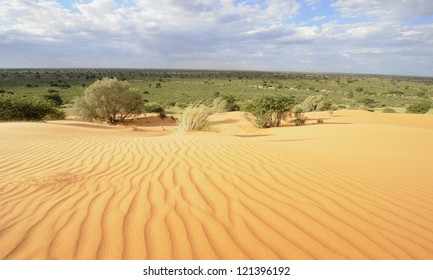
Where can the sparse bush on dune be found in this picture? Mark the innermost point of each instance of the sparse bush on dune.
(315, 103)
(269, 110)
(110, 100)
(20, 108)
(225, 103)
(420, 107)
(194, 117)
(219, 104)
(388, 110)
(299, 117)
(153, 107)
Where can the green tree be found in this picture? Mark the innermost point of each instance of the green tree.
(269, 110)
(110, 100)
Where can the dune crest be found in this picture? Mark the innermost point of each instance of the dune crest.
(351, 188)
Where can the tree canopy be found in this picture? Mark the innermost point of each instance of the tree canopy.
(110, 100)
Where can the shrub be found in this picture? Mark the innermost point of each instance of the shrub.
(421, 107)
(18, 108)
(225, 103)
(269, 110)
(194, 117)
(388, 110)
(219, 104)
(420, 94)
(367, 102)
(110, 100)
(153, 107)
(299, 117)
(55, 98)
(316, 103)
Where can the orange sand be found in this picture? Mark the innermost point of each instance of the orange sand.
(359, 186)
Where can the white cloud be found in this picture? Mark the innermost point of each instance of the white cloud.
(384, 9)
(253, 34)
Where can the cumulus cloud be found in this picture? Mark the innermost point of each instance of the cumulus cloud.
(252, 34)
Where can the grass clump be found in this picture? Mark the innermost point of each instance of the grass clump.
(194, 117)
(316, 103)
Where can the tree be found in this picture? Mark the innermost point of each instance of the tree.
(269, 110)
(110, 100)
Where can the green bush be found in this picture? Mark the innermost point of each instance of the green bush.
(110, 100)
(421, 107)
(269, 110)
(388, 110)
(225, 103)
(153, 107)
(367, 102)
(299, 117)
(19, 108)
(55, 98)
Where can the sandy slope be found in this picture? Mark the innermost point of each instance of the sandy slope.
(359, 186)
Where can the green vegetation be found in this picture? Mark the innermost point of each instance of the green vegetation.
(420, 107)
(233, 90)
(225, 103)
(110, 100)
(299, 117)
(316, 103)
(18, 108)
(388, 110)
(153, 107)
(269, 110)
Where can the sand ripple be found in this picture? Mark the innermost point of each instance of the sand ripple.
(71, 192)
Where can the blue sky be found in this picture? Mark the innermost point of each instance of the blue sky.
(352, 36)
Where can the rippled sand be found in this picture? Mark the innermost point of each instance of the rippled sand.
(359, 186)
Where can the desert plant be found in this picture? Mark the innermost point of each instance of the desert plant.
(19, 108)
(316, 103)
(299, 117)
(219, 104)
(153, 107)
(269, 110)
(388, 110)
(367, 102)
(194, 117)
(55, 98)
(225, 103)
(421, 107)
(110, 100)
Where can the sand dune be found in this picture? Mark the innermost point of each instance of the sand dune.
(359, 186)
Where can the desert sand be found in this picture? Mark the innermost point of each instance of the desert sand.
(358, 186)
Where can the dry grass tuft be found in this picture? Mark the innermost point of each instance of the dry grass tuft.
(194, 117)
